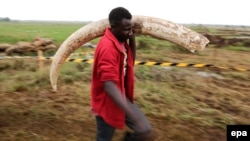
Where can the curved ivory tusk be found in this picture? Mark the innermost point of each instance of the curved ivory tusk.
(154, 27)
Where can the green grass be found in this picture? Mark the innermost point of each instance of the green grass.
(238, 48)
(12, 32)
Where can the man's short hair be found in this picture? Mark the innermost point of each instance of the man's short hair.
(117, 14)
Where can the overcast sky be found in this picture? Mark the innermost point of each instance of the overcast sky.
(226, 12)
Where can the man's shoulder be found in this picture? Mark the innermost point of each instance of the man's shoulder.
(105, 43)
(105, 40)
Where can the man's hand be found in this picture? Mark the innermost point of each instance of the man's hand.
(127, 106)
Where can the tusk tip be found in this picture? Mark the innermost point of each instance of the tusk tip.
(54, 88)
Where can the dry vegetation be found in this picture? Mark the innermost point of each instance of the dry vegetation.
(183, 104)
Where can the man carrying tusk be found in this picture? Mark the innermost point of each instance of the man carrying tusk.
(112, 88)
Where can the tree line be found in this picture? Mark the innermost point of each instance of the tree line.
(4, 19)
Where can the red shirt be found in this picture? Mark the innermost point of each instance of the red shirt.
(109, 65)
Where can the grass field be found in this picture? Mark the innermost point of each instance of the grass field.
(27, 31)
(183, 104)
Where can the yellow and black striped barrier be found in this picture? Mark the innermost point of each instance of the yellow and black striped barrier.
(200, 65)
(90, 61)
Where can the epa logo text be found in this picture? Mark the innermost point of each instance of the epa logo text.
(238, 133)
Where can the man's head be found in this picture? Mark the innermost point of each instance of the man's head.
(121, 24)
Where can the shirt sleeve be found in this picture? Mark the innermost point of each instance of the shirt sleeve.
(108, 68)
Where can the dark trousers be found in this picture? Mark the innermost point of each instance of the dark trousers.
(105, 132)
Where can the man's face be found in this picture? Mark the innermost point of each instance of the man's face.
(123, 30)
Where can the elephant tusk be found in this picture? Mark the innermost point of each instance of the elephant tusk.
(155, 27)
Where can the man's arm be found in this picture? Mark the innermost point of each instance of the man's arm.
(116, 95)
(140, 125)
